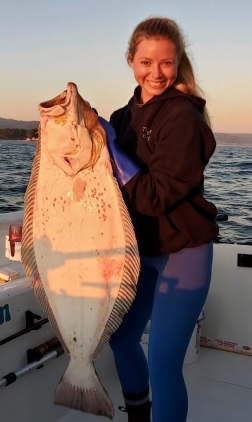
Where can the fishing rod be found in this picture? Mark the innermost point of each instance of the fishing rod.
(38, 356)
(30, 316)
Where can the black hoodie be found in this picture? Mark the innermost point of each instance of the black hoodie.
(170, 141)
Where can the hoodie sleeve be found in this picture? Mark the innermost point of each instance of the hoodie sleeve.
(184, 144)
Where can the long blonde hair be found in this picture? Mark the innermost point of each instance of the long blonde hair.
(167, 28)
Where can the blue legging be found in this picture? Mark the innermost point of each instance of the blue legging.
(172, 289)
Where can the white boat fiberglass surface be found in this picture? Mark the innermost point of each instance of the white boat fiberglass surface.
(218, 378)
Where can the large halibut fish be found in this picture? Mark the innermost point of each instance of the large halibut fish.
(78, 244)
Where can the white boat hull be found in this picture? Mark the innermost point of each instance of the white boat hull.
(219, 383)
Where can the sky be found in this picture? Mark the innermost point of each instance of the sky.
(44, 44)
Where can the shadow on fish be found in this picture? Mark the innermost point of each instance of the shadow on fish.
(78, 244)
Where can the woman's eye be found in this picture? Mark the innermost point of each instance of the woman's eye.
(145, 62)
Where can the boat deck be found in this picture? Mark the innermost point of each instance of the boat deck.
(219, 384)
(219, 387)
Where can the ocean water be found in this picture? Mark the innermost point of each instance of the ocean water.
(228, 184)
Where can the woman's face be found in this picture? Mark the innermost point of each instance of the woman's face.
(155, 65)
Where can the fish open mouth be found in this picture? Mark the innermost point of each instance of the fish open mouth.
(67, 109)
(61, 99)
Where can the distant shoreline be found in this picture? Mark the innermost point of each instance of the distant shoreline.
(220, 144)
(222, 139)
(233, 139)
(19, 140)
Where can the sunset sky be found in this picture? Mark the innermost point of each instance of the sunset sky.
(45, 44)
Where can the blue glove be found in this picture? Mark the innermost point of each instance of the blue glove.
(125, 167)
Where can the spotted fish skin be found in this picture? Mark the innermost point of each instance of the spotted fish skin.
(78, 244)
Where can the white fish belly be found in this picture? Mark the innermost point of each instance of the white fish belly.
(79, 244)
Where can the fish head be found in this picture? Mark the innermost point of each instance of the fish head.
(72, 135)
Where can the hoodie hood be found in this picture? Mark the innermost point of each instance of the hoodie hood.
(169, 93)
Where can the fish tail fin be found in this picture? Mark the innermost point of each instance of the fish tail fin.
(84, 393)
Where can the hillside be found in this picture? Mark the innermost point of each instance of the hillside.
(235, 139)
(242, 139)
(17, 124)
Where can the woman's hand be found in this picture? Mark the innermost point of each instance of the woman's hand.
(125, 167)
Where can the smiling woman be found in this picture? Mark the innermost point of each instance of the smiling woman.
(155, 66)
(163, 145)
(159, 60)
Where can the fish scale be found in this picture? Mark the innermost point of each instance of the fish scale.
(78, 244)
